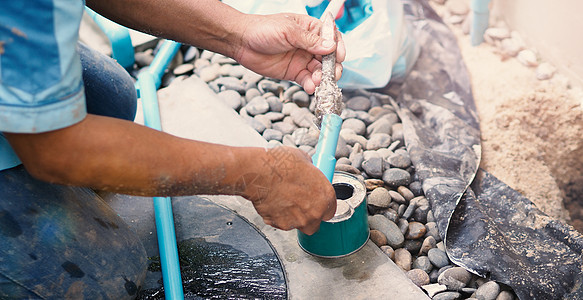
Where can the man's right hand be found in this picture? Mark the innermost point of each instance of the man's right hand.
(290, 192)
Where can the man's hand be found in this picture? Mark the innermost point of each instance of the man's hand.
(289, 47)
(290, 192)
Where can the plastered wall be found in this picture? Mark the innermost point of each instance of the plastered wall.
(553, 27)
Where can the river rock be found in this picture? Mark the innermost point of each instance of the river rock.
(419, 277)
(272, 134)
(358, 103)
(284, 128)
(416, 230)
(380, 198)
(395, 237)
(399, 160)
(257, 105)
(395, 177)
(438, 258)
(448, 295)
(488, 291)
(455, 278)
(428, 243)
(378, 238)
(373, 166)
(545, 71)
(301, 98)
(377, 141)
(388, 250)
(403, 259)
(423, 263)
(528, 58)
(231, 98)
(356, 125)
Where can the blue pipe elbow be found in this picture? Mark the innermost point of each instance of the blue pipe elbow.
(480, 20)
(122, 49)
(325, 156)
(162, 60)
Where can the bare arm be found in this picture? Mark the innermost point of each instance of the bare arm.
(120, 156)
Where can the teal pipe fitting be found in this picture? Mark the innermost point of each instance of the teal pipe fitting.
(162, 205)
(325, 156)
(122, 49)
(480, 20)
(162, 59)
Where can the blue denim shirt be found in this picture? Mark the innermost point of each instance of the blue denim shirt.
(41, 87)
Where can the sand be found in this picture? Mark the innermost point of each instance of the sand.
(531, 129)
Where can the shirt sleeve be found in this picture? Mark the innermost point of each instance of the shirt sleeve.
(41, 86)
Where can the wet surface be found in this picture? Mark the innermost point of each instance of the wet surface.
(218, 271)
(221, 255)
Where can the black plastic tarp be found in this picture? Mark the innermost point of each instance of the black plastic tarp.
(488, 228)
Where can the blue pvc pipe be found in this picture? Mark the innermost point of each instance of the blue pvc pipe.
(162, 205)
(162, 59)
(325, 156)
(122, 49)
(480, 20)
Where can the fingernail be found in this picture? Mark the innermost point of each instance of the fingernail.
(328, 43)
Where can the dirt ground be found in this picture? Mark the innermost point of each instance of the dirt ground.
(531, 129)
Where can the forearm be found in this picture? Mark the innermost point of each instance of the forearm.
(120, 156)
(209, 24)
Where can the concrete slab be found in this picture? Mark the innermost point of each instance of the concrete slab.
(190, 109)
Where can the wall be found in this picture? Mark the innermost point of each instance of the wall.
(554, 28)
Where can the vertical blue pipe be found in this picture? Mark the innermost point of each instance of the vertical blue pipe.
(325, 156)
(162, 205)
(480, 19)
(162, 60)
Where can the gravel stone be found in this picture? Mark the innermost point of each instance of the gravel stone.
(347, 168)
(372, 183)
(289, 107)
(388, 250)
(373, 166)
(272, 134)
(505, 295)
(358, 103)
(419, 277)
(304, 136)
(379, 126)
(400, 161)
(342, 149)
(403, 259)
(423, 263)
(416, 188)
(415, 231)
(378, 238)
(209, 73)
(413, 246)
(230, 83)
(406, 193)
(257, 105)
(231, 98)
(395, 177)
(264, 120)
(428, 243)
(302, 117)
(397, 197)
(288, 140)
(378, 141)
(455, 278)
(397, 133)
(364, 116)
(488, 291)
(352, 138)
(301, 98)
(343, 161)
(433, 231)
(403, 225)
(274, 116)
(275, 105)
(545, 71)
(434, 288)
(255, 124)
(395, 237)
(355, 124)
(528, 58)
(356, 157)
(285, 128)
(252, 93)
(447, 296)
(377, 112)
(267, 85)
(380, 198)
(438, 258)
